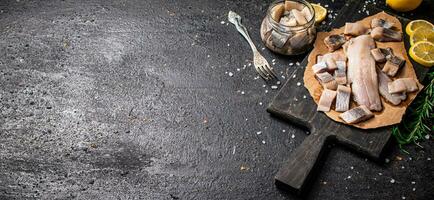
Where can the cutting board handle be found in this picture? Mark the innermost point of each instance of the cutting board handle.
(295, 173)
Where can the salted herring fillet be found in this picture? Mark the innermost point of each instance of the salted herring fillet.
(393, 64)
(299, 16)
(402, 85)
(356, 115)
(378, 55)
(319, 67)
(326, 100)
(343, 98)
(355, 29)
(334, 42)
(327, 80)
(341, 72)
(383, 81)
(361, 72)
(319, 58)
(331, 58)
(386, 35)
(307, 14)
(377, 22)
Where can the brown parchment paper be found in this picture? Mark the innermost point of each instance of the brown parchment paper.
(390, 114)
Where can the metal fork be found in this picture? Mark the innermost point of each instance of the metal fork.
(260, 63)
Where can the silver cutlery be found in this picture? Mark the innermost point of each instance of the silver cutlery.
(260, 63)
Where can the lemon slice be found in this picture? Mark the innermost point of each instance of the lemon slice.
(320, 12)
(415, 24)
(403, 5)
(423, 53)
(422, 34)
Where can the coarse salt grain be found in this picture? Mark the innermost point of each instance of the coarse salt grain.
(266, 91)
(292, 136)
(222, 22)
(293, 76)
(229, 45)
(238, 69)
(274, 60)
(297, 63)
(349, 177)
(263, 85)
(260, 103)
(263, 141)
(414, 189)
(278, 82)
(413, 182)
(208, 56)
(291, 64)
(273, 87)
(231, 74)
(352, 167)
(258, 133)
(298, 83)
(242, 92)
(392, 180)
(283, 130)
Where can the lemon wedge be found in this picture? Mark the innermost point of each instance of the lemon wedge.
(423, 53)
(422, 34)
(415, 24)
(403, 5)
(320, 12)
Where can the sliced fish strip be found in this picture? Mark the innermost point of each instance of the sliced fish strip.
(386, 35)
(355, 29)
(383, 81)
(377, 22)
(341, 72)
(378, 55)
(334, 42)
(393, 64)
(319, 67)
(356, 115)
(326, 100)
(343, 98)
(402, 85)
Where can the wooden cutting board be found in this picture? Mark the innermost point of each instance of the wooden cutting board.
(294, 104)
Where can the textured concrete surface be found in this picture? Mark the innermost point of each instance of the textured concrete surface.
(133, 100)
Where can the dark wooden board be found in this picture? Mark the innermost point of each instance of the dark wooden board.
(290, 104)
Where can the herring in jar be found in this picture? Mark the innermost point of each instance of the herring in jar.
(289, 27)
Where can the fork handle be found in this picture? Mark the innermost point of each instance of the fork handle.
(243, 30)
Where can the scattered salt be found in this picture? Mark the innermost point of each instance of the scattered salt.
(260, 103)
(263, 141)
(274, 87)
(387, 160)
(242, 92)
(427, 136)
(304, 96)
(298, 83)
(208, 56)
(229, 44)
(392, 180)
(263, 85)
(283, 130)
(283, 77)
(380, 174)
(352, 167)
(292, 136)
(297, 63)
(413, 182)
(263, 48)
(238, 69)
(278, 82)
(250, 64)
(428, 159)
(403, 197)
(266, 91)
(349, 177)
(222, 22)
(274, 60)
(231, 74)
(258, 133)
(291, 64)
(293, 76)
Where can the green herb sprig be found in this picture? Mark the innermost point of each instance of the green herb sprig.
(417, 122)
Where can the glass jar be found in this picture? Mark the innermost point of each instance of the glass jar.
(285, 37)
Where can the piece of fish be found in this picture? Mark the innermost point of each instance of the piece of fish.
(343, 98)
(326, 100)
(327, 80)
(299, 16)
(307, 14)
(377, 22)
(361, 72)
(355, 29)
(378, 55)
(383, 88)
(331, 58)
(277, 12)
(334, 42)
(288, 21)
(388, 52)
(356, 115)
(289, 5)
(341, 72)
(393, 64)
(401, 95)
(319, 67)
(319, 58)
(386, 35)
(403, 85)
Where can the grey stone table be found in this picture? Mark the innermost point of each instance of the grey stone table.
(157, 100)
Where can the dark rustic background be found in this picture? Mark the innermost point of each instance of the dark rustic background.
(134, 100)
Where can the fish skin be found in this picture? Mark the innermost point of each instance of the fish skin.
(343, 98)
(326, 100)
(334, 42)
(362, 73)
(386, 35)
(355, 29)
(356, 115)
(378, 55)
(377, 22)
(383, 88)
(340, 72)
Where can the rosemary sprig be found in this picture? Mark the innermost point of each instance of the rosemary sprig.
(417, 123)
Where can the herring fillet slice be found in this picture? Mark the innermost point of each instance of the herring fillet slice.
(326, 100)
(356, 115)
(343, 98)
(383, 81)
(361, 72)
